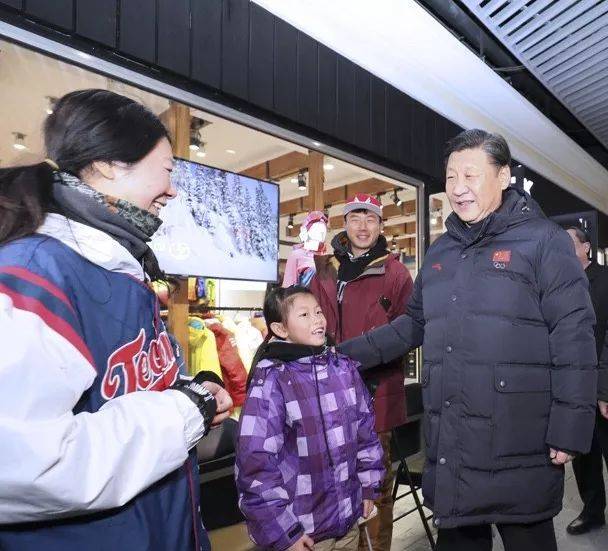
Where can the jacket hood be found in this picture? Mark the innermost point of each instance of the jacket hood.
(287, 351)
(517, 206)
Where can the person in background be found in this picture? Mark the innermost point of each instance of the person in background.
(308, 460)
(359, 287)
(502, 307)
(588, 469)
(90, 460)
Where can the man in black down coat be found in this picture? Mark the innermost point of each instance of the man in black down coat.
(502, 307)
(588, 467)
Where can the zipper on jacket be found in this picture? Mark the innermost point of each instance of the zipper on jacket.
(331, 461)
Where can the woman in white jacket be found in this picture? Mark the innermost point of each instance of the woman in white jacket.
(89, 460)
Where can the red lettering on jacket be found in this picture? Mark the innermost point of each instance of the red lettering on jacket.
(436, 267)
(139, 369)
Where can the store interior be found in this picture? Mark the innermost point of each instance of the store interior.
(33, 81)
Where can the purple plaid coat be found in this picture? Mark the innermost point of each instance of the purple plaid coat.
(307, 453)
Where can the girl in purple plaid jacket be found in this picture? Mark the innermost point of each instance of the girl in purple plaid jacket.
(309, 463)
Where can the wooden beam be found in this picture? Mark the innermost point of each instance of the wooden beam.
(280, 167)
(316, 180)
(177, 121)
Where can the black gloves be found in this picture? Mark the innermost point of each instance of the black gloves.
(202, 398)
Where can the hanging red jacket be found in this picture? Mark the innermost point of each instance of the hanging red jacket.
(233, 371)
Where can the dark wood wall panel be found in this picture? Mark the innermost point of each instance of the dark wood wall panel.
(363, 130)
(308, 81)
(96, 19)
(207, 42)
(138, 29)
(378, 116)
(327, 89)
(173, 40)
(59, 13)
(235, 47)
(345, 116)
(397, 126)
(261, 51)
(285, 69)
(17, 4)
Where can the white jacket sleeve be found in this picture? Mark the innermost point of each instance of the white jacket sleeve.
(57, 464)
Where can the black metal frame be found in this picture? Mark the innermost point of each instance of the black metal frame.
(404, 476)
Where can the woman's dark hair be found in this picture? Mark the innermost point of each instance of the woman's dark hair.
(278, 303)
(85, 126)
(494, 145)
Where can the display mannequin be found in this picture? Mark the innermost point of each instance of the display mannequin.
(301, 262)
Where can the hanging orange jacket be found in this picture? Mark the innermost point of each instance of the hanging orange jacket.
(233, 370)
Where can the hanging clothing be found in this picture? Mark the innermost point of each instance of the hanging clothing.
(248, 339)
(202, 349)
(233, 371)
(299, 261)
(210, 291)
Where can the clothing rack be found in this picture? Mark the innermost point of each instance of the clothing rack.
(229, 308)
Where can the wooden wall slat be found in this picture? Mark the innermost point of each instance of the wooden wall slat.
(207, 42)
(137, 36)
(96, 19)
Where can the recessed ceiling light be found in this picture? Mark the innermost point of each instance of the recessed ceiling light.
(301, 180)
(50, 104)
(19, 141)
(231, 151)
(328, 166)
(83, 55)
(317, 144)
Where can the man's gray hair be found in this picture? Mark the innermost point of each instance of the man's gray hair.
(580, 233)
(494, 145)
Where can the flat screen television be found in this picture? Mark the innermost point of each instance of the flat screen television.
(220, 224)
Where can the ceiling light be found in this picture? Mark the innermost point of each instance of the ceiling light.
(396, 199)
(231, 151)
(200, 153)
(19, 141)
(50, 104)
(301, 180)
(290, 222)
(328, 166)
(317, 144)
(195, 143)
(83, 55)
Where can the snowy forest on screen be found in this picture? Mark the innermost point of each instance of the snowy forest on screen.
(220, 225)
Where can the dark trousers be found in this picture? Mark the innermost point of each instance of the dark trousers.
(539, 536)
(588, 472)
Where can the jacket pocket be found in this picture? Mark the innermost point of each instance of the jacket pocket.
(522, 402)
(431, 386)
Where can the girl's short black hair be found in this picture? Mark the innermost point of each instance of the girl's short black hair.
(279, 301)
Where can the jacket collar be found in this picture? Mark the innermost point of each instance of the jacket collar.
(517, 207)
(93, 244)
(593, 270)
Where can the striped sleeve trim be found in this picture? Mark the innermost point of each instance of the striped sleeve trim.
(33, 293)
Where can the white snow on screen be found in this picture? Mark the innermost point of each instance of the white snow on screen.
(220, 225)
